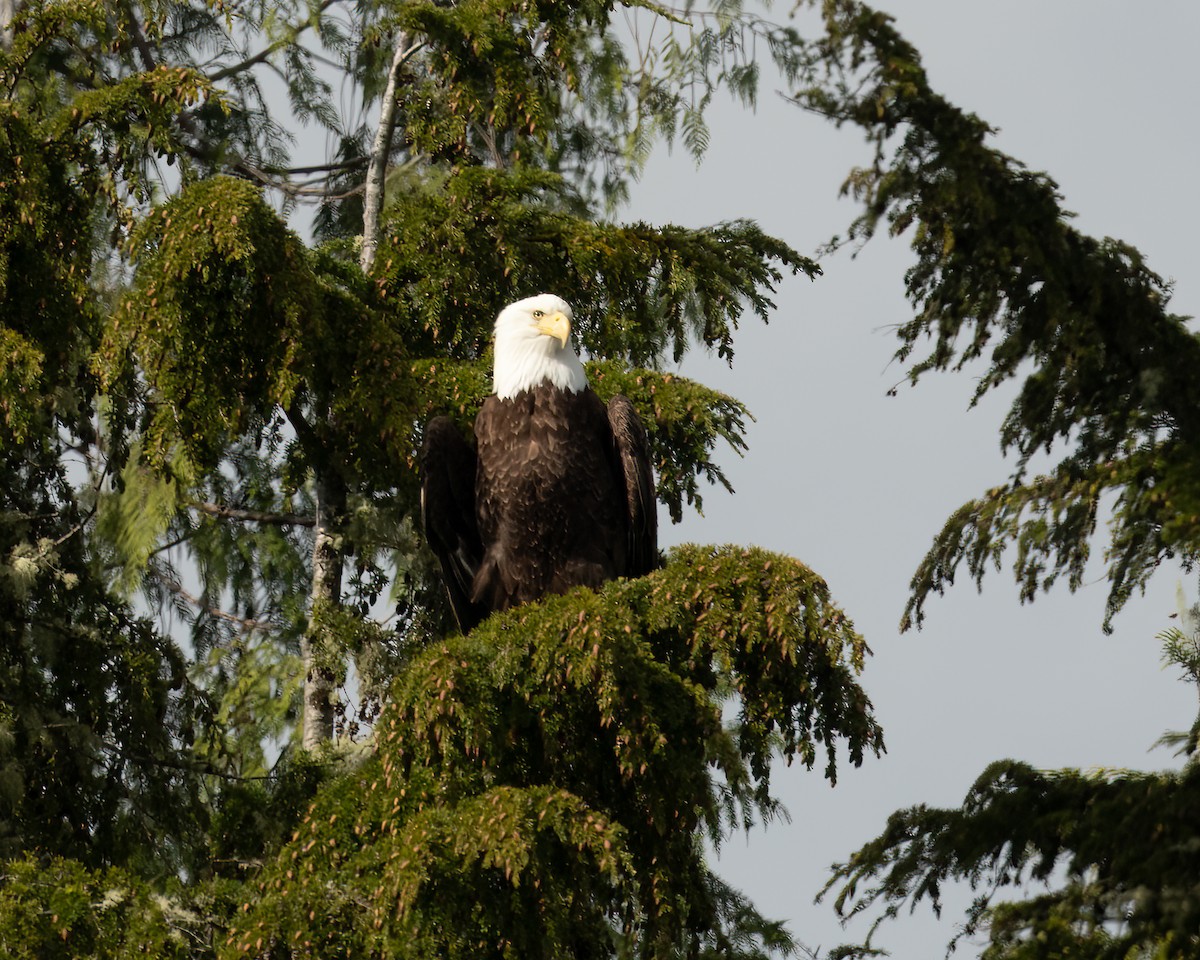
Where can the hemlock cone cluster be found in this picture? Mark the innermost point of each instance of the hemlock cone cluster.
(252, 706)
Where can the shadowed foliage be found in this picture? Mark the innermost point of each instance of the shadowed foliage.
(1125, 840)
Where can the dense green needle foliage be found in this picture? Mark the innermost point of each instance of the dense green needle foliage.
(539, 785)
(92, 698)
(55, 909)
(217, 316)
(639, 291)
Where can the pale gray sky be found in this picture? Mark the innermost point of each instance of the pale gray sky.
(1102, 96)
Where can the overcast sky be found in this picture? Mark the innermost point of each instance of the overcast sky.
(1102, 96)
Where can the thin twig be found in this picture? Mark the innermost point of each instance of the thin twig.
(180, 591)
(253, 516)
(263, 55)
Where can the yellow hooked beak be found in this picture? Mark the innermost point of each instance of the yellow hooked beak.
(555, 325)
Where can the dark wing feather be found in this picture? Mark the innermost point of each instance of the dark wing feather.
(634, 448)
(448, 467)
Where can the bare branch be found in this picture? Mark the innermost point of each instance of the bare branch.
(252, 516)
(265, 54)
(246, 624)
(337, 167)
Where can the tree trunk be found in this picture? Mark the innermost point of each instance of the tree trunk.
(8, 10)
(325, 596)
(380, 149)
(326, 593)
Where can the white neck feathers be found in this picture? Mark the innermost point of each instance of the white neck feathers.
(526, 358)
(528, 368)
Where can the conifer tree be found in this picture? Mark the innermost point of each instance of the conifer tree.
(498, 111)
(94, 700)
(543, 785)
(1105, 374)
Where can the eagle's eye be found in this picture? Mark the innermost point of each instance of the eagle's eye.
(538, 314)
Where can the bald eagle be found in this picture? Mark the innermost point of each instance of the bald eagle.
(557, 491)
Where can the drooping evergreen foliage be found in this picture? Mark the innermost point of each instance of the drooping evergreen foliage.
(640, 291)
(1125, 840)
(93, 699)
(1104, 374)
(1001, 275)
(1111, 855)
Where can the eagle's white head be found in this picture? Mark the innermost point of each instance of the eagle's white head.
(533, 344)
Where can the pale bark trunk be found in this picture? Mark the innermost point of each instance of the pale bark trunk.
(380, 149)
(8, 10)
(326, 590)
(326, 594)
